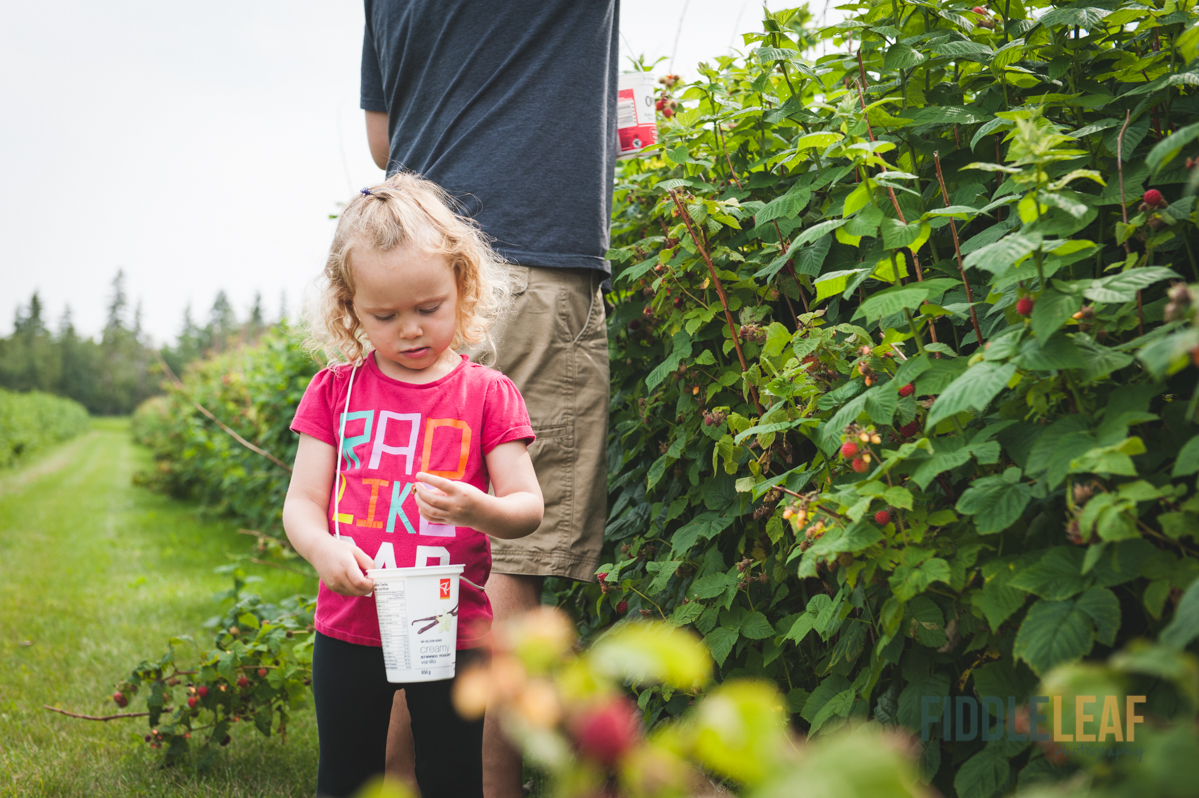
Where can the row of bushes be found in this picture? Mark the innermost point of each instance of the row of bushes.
(34, 420)
(903, 404)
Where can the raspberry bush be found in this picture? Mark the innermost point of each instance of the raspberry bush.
(903, 393)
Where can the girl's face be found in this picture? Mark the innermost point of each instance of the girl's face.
(407, 302)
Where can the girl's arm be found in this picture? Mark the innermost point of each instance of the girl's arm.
(513, 512)
(305, 518)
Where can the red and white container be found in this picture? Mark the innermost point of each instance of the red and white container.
(636, 117)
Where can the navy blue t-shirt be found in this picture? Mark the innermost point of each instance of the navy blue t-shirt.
(511, 107)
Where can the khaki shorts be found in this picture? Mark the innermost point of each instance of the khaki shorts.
(555, 348)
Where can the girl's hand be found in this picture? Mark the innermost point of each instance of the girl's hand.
(340, 565)
(445, 501)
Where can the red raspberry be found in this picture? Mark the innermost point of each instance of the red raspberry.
(660, 104)
(666, 112)
(849, 449)
(622, 607)
(605, 733)
(243, 682)
(882, 518)
(602, 575)
(1154, 199)
(202, 691)
(262, 673)
(191, 702)
(1024, 306)
(860, 465)
(907, 390)
(979, 10)
(910, 429)
(120, 699)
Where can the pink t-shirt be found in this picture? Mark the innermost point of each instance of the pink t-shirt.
(392, 431)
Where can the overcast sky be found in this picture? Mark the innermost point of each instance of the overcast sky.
(202, 146)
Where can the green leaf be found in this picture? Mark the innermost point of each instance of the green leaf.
(903, 56)
(925, 622)
(996, 502)
(1056, 576)
(973, 390)
(1123, 287)
(1082, 17)
(1051, 311)
(788, 206)
(1103, 608)
(1168, 148)
(1188, 459)
(720, 642)
(983, 774)
(1000, 256)
(1184, 626)
(834, 283)
(903, 297)
(756, 627)
(705, 526)
(998, 601)
(908, 581)
(1053, 633)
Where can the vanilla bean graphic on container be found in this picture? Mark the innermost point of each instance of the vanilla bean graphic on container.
(435, 619)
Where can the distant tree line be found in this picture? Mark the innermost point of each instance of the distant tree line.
(113, 375)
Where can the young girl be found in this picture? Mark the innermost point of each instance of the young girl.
(422, 434)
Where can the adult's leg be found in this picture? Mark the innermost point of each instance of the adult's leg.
(449, 749)
(353, 707)
(511, 594)
(401, 755)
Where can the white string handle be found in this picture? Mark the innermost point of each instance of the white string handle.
(341, 442)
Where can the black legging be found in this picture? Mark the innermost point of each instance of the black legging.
(353, 708)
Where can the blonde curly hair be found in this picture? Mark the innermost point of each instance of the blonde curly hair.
(406, 210)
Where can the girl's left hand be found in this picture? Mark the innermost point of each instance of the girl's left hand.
(446, 501)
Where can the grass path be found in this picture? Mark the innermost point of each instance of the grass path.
(95, 575)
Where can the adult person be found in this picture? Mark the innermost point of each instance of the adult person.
(510, 106)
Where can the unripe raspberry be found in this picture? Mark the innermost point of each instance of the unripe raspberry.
(907, 390)
(1154, 199)
(849, 449)
(1024, 306)
(860, 465)
(882, 518)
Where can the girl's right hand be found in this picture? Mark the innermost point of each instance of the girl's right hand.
(340, 565)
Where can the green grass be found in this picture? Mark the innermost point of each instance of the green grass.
(95, 575)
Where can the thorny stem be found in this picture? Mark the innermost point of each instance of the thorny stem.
(95, 717)
(785, 244)
(1124, 207)
(179, 386)
(953, 228)
(724, 300)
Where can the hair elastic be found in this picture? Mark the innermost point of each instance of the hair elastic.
(366, 192)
